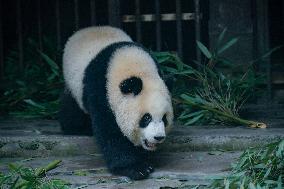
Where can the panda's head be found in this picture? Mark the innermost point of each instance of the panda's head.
(152, 113)
(138, 97)
(154, 122)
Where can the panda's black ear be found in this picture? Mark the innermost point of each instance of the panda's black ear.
(131, 85)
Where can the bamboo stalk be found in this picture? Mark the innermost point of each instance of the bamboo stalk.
(235, 119)
(41, 171)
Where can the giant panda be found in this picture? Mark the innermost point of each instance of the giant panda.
(113, 90)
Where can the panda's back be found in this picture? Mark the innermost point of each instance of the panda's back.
(80, 49)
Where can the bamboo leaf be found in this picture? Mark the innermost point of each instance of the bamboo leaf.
(188, 98)
(228, 45)
(192, 114)
(221, 37)
(270, 52)
(187, 72)
(194, 120)
(54, 67)
(33, 103)
(169, 69)
(204, 50)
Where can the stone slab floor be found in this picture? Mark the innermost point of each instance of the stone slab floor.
(191, 156)
(173, 170)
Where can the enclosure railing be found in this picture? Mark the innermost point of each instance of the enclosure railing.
(114, 19)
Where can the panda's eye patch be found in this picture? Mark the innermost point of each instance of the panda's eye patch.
(131, 85)
(145, 120)
(165, 120)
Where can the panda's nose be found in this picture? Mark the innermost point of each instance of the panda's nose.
(159, 138)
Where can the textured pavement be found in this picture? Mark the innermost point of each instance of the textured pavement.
(191, 156)
(43, 138)
(180, 169)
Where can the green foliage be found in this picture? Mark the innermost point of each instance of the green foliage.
(207, 86)
(256, 169)
(32, 91)
(22, 177)
(217, 84)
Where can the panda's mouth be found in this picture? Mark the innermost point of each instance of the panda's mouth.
(149, 145)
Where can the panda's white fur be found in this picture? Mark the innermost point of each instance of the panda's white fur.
(80, 49)
(126, 62)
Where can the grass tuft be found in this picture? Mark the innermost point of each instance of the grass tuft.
(33, 91)
(257, 168)
(22, 177)
(212, 91)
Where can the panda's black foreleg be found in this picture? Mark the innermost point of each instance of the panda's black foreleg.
(136, 172)
(72, 119)
(138, 169)
(125, 161)
(121, 156)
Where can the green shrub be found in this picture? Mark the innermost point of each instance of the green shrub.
(212, 91)
(32, 92)
(22, 177)
(257, 168)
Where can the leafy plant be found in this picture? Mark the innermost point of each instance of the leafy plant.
(256, 169)
(198, 92)
(213, 91)
(33, 91)
(21, 177)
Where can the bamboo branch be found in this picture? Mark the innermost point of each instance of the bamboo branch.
(41, 171)
(235, 119)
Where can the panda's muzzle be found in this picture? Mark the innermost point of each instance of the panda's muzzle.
(150, 145)
(152, 135)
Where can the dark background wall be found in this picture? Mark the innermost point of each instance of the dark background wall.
(236, 16)
(260, 28)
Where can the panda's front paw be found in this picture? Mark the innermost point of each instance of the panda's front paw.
(135, 172)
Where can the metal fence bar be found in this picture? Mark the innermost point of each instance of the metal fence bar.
(263, 38)
(163, 17)
(76, 14)
(265, 47)
(114, 13)
(58, 24)
(261, 42)
(179, 28)
(93, 12)
(39, 25)
(158, 25)
(1, 45)
(197, 28)
(20, 33)
(138, 21)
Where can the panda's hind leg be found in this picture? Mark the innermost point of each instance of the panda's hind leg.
(72, 119)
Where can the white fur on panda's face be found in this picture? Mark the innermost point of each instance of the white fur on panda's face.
(152, 131)
(134, 88)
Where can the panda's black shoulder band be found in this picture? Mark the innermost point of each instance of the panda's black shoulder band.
(131, 85)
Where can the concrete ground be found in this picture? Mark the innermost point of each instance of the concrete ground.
(178, 169)
(191, 156)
